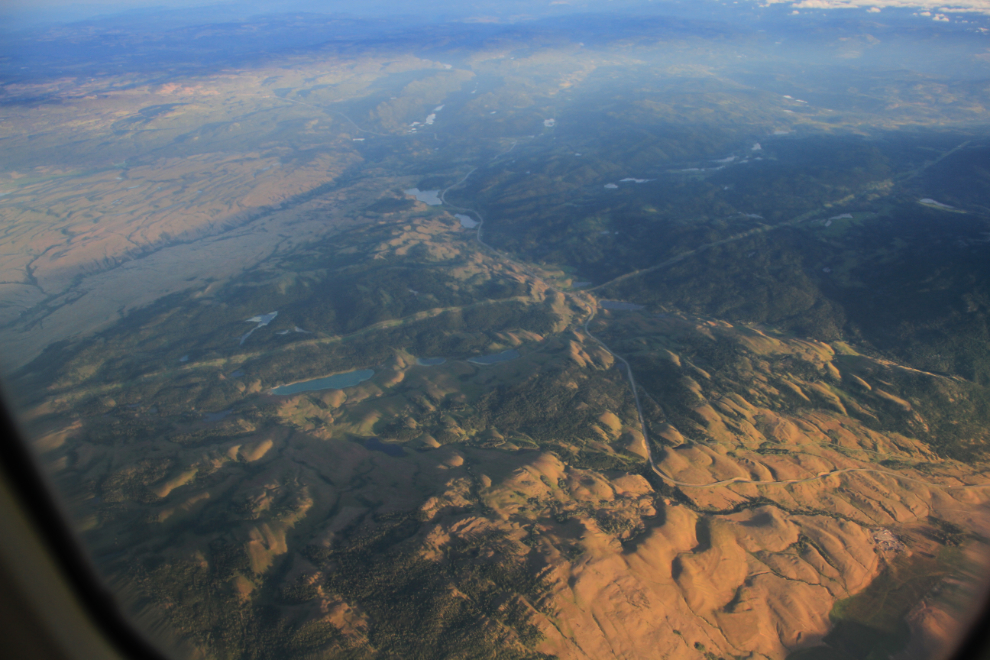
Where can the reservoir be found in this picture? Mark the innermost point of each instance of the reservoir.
(466, 221)
(428, 197)
(495, 358)
(335, 382)
(262, 320)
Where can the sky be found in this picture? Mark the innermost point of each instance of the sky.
(980, 6)
(41, 11)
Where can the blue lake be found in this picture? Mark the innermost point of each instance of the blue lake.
(495, 358)
(335, 382)
(430, 362)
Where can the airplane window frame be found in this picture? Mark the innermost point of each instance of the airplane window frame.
(35, 496)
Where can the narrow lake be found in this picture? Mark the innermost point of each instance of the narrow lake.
(430, 362)
(619, 305)
(335, 382)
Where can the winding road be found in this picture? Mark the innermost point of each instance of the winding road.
(743, 480)
(632, 379)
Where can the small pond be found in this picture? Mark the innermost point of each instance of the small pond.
(217, 416)
(466, 221)
(374, 444)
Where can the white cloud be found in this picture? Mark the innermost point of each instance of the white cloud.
(977, 6)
